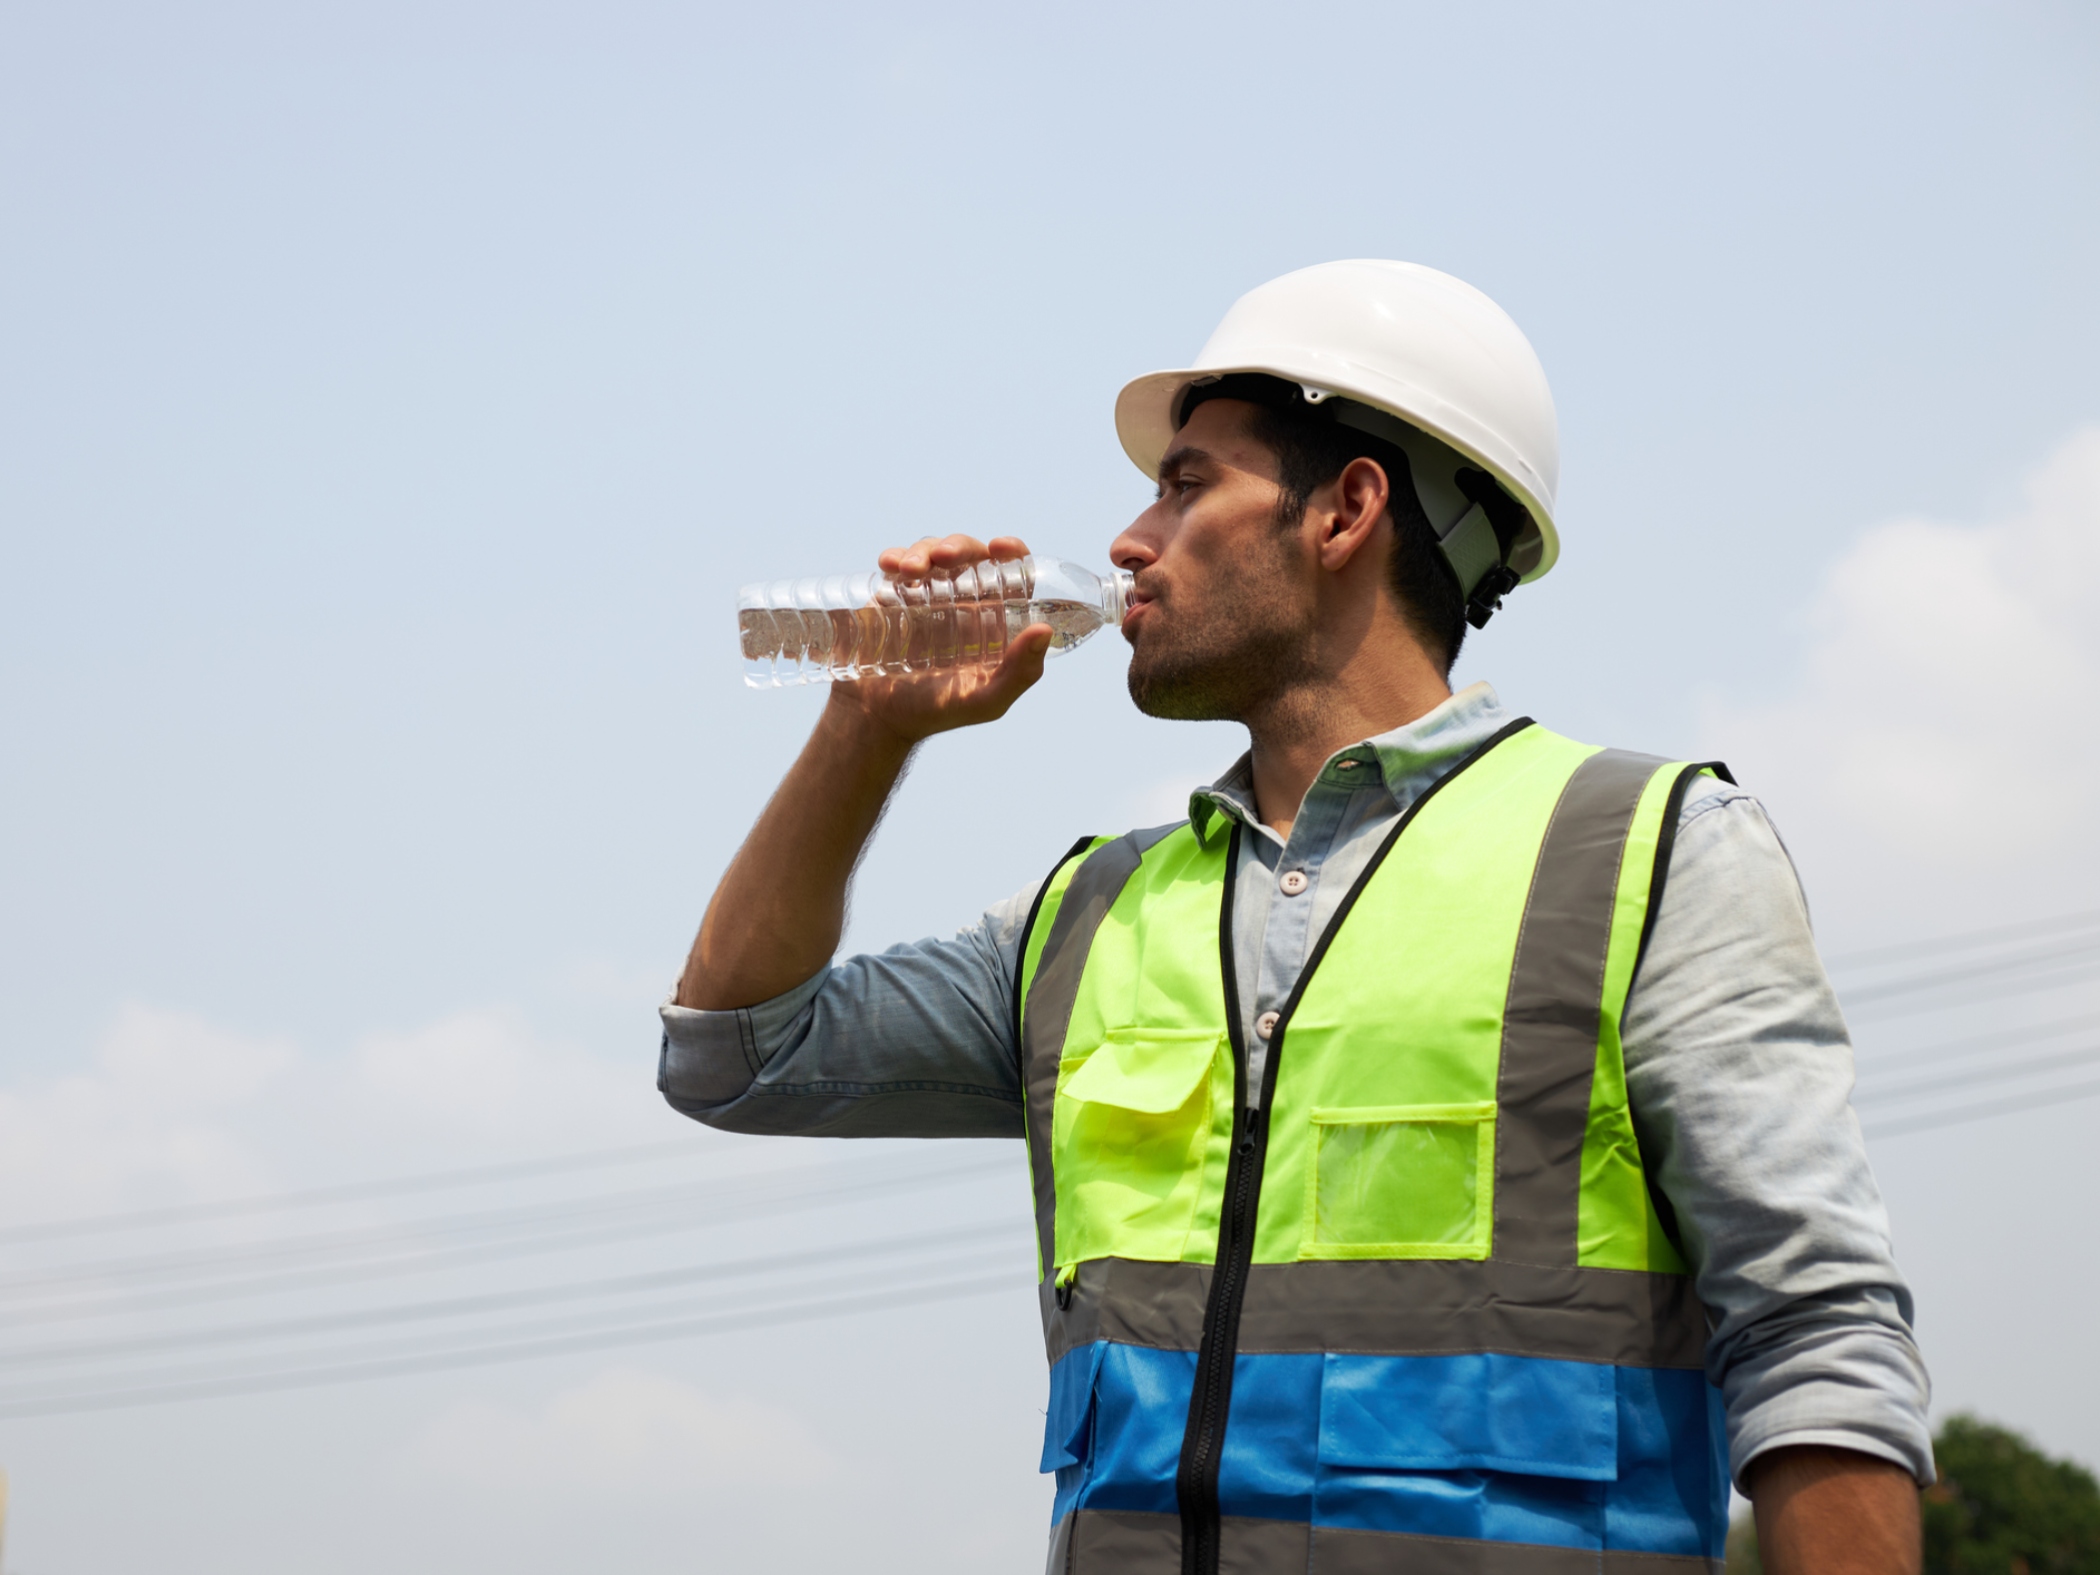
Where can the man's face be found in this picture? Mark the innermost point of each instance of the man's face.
(1221, 620)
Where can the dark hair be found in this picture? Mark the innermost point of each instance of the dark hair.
(1312, 451)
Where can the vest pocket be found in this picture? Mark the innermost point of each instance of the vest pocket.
(1126, 1139)
(1401, 1181)
(1481, 1412)
(1068, 1420)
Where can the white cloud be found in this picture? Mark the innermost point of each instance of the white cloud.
(1943, 722)
(173, 1109)
(625, 1432)
(1159, 802)
(152, 1121)
(481, 1075)
(622, 983)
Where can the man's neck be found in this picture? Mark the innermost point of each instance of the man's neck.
(1298, 730)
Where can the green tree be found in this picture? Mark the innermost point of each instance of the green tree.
(2002, 1507)
(1742, 1547)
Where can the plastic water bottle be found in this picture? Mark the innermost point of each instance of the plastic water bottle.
(819, 628)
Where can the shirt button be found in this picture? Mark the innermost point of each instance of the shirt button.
(1265, 1024)
(1293, 882)
(1347, 765)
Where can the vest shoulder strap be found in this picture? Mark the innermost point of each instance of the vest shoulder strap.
(1024, 962)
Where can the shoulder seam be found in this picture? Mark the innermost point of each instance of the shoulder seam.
(1724, 796)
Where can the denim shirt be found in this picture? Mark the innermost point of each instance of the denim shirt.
(1738, 1071)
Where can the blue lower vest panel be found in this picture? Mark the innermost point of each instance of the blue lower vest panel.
(1499, 1448)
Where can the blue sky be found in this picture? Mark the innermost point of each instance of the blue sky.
(392, 397)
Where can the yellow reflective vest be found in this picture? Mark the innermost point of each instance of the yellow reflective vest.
(1408, 1303)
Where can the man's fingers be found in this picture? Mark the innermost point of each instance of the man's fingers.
(908, 562)
(948, 555)
(952, 553)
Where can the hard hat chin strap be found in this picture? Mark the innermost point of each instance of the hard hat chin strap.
(1470, 547)
(1483, 536)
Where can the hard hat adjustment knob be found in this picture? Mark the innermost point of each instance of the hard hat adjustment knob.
(1486, 599)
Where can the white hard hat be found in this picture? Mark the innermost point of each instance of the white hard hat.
(1410, 342)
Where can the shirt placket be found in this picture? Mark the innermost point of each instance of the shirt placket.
(1293, 872)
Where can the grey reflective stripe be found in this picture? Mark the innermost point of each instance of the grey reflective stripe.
(1556, 996)
(1052, 993)
(1394, 1307)
(1060, 1559)
(1131, 1302)
(1118, 1542)
(1131, 1542)
(1336, 1551)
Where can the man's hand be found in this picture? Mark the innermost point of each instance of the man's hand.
(777, 915)
(916, 706)
(1823, 1511)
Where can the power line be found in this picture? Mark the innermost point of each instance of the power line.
(260, 1383)
(2004, 1107)
(355, 1241)
(530, 1217)
(347, 1192)
(1953, 1048)
(1939, 978)
(2063, 978)
(2032, 1066)
(1904, 950)
(425, 1342)
(502, 1301)
(439, 1259)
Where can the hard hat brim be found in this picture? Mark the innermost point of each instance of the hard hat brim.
(1145, 427)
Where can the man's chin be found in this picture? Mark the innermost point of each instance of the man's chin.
(1176, 693)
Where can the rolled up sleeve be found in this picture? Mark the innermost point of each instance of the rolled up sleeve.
(916, 1041)
(1739, 1069)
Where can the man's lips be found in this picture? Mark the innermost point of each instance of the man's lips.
(1141, 597)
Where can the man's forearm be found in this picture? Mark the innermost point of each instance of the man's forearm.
(777, 916)
(1824, 1511)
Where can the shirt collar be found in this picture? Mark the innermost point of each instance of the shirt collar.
(1405, 763)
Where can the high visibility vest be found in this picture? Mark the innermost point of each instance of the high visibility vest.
(1409, 1305)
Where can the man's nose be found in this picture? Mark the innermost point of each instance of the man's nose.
(1138, 545)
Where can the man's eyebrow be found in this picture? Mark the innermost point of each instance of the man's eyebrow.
(1177, 457)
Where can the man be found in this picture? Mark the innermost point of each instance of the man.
(1440, 1140)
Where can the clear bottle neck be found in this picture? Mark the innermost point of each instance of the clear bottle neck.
(1115, 595)
(1053, 579)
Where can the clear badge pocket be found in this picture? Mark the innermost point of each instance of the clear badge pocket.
(1127, 1142)
(1401, 1181)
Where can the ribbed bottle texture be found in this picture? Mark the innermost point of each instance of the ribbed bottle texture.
(815, 629)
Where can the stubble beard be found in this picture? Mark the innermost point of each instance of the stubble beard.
(1250, 648)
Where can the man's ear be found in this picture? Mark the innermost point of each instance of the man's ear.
(1356, 501)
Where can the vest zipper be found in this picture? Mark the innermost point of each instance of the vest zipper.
(1196, 1479)
(1196, 1483)
(1202, 1444)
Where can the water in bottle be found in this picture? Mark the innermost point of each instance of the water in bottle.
(819, 628)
